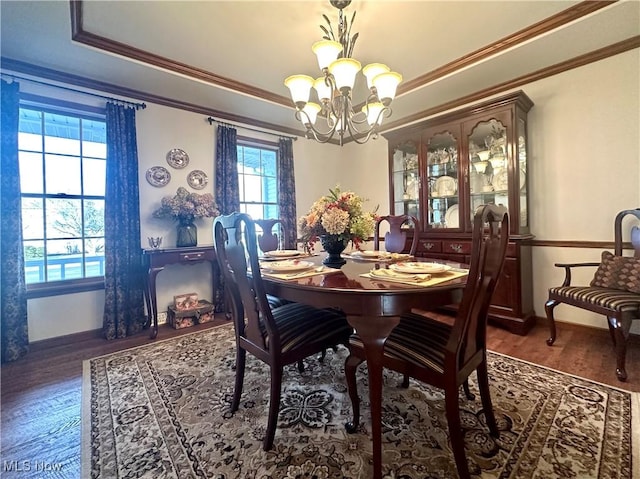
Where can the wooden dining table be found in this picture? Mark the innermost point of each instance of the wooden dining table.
(373, 308)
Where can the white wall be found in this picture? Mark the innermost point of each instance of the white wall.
(584, 139)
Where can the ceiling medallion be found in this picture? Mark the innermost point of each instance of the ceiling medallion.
(336, 114)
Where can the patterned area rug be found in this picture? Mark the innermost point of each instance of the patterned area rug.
(162, 411)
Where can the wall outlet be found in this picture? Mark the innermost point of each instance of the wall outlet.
(162, 317)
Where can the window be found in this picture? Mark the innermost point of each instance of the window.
(258, 180)
(62, 159)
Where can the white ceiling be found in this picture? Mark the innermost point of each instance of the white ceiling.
(254, 45)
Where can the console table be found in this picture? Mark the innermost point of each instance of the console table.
(156, 259)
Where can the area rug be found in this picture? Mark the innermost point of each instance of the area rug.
(163, 411)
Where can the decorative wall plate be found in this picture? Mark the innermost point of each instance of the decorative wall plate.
(197, 179)
(177, 158)
(158, 176)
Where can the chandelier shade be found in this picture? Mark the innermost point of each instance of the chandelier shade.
(335, 114)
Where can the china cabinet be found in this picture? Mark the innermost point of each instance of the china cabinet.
(442, 169)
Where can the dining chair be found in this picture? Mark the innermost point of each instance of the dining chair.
(269, 241)
(277, 336)
(396, 238)
(444, 355)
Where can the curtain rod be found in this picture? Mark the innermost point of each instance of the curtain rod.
(137, 106)
(211, 120)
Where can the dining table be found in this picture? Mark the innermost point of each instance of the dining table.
(372, 307)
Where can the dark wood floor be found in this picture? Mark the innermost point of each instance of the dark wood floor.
(41, 394)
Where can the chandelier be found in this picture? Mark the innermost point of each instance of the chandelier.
(335, 113)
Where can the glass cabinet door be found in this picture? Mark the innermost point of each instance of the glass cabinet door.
(442, 166)
(406, 181)
(488, 165)
(521, 152)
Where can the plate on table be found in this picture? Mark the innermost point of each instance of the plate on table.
(451, 217)
(177, 158)
(369, 254)
(158, 176)
(445, 186)
(419, 267)
(282, 253)
(288, 265)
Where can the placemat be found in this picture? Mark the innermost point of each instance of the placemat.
(433, 280)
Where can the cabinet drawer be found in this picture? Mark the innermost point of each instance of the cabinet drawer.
(429, 246)
(457, 247)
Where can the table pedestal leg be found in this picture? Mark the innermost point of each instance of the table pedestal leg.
(374, 332)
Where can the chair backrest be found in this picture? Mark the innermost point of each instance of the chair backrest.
(235, 244)
(396, 238)
(488, 250)
(634, 234)
(268, 240)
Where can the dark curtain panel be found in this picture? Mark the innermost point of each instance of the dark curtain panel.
(287, 191)
(227, 190)
(13, 291)
(123, 276)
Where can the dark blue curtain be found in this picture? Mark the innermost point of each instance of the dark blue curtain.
(287, 191)
(227, 190)
(123, 275)
(13, 291)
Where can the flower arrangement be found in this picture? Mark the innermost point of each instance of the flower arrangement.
(186, 206)
(340, 214)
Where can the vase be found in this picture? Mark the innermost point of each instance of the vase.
(187, 234)
(334, 246)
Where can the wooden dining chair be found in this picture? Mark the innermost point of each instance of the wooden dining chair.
(396, 238)
(444, 355)
(278, 336)
(270, 241)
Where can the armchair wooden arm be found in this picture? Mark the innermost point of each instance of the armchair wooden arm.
(567, 270)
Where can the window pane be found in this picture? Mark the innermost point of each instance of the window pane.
(62, 134)
(32, 218)
(270, 190)
(251, 160)
(252, 188)
(255, 211)
(94, 218)
(30, 172)
(269, 162)
(94, 139)
(64, 218)
(34, 261)
(94, 257)
(270, 211)
(94, 176)
(62, 175)
(64, 260)
(27, 141)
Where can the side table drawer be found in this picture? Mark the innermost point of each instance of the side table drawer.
(193, 256)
